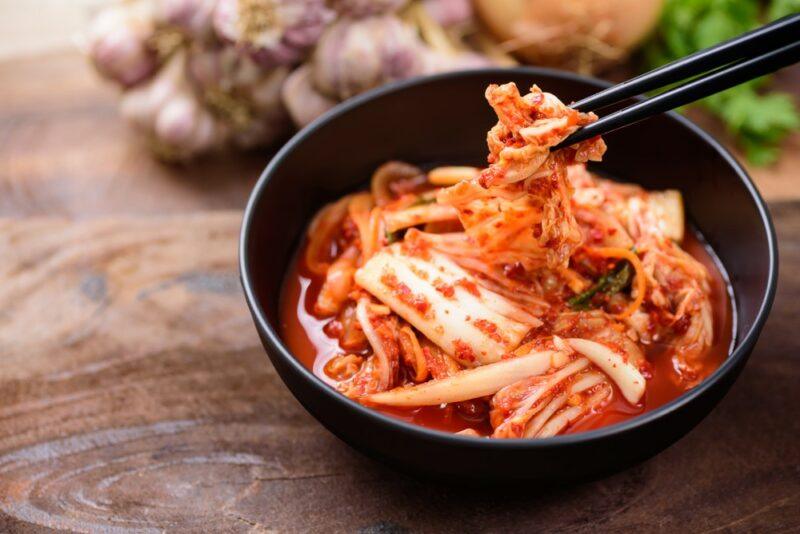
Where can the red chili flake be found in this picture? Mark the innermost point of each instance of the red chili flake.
(488, 328)
(514, 270)
(419, 272)
(463, 351)
(596, 234)
(445, 289)
(333, 328)
(490, 175)
(681, 325)
(416, 247)
(469, 285)
(404, 293)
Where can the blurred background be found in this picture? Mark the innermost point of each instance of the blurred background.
(149, 98)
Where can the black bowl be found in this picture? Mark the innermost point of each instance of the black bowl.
(444, 118)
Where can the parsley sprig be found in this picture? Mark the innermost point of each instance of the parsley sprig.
(759, 120)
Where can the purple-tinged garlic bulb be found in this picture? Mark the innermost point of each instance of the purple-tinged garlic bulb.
(273, 32)
(240, 93)
(449, 12)
(168, 112)
(117, 43)
(193, 17)
(443, 62)
(303, 102)
(365, 8)
(356, 55)
(270, 120)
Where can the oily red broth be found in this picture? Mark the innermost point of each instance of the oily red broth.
(304, 335)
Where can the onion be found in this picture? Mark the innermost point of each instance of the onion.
(583, 35)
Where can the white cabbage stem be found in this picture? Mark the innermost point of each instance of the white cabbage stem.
(625, 375)
(468, 384)
(444, 302)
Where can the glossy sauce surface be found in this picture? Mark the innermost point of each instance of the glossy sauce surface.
(304, 335)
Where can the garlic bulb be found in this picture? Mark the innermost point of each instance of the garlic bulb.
(365, 8)
(449, 12)
(274, 32)
(355, 55)
(270, 120)
(204, 75)
(168, 112)
(303, 102)
(240, 92)
(117, 45)
(442, 62)
(194, 17)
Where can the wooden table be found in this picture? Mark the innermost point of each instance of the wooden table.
(134, 393)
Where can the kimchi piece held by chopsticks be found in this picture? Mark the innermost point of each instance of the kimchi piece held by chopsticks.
(445, 303)
(520, 205)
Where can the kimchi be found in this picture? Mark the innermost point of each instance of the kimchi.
(525, 299)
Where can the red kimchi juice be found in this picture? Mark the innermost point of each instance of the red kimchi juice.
(303, 333)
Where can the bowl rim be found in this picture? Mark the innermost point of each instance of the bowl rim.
(279, 349)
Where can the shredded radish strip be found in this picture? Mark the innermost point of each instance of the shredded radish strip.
(410, 345)
(321, 231)
(384, 365)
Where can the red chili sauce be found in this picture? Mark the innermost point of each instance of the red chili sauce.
(303, 333)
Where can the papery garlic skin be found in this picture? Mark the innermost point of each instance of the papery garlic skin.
(116, 43)
(365, 8)
(169, 113)
(301, 99)
(194, 17)
(443, 62)
(449, 12)
(273, 32)
(241, 93)
(270, 119)
(355, 55)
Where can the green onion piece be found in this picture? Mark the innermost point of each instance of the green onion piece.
(610, 283)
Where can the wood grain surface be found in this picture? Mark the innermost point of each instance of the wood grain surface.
(135, 396)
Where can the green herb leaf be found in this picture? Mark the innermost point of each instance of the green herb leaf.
(613, 282)
(391, 237)
(423, 201)
(759, 121)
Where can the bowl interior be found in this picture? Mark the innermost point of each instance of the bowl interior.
(444, 120)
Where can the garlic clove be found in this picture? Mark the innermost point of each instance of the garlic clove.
(303, 102)
(357, 55)
(194, 17)
(116, 43)
(273, 33)
(366, 8)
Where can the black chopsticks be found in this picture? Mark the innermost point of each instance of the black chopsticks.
(753, 54)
